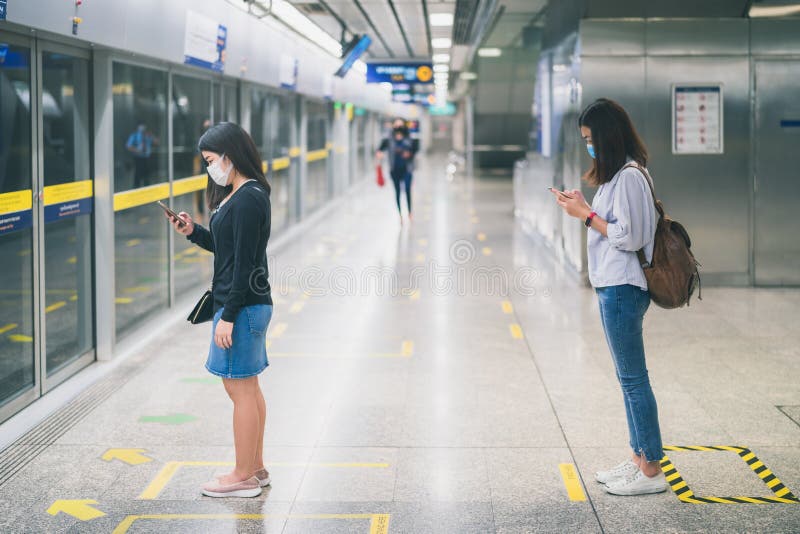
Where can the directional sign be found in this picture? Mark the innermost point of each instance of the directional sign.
(172, 419)
(399, 73)
(78, 508)
(128, 456)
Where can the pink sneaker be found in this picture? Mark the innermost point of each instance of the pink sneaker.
(262, 475)
(245, 488)
(263, 478)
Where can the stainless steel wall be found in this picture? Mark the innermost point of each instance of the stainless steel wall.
(636, 62)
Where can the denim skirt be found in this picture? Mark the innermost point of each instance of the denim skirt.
(248, 353)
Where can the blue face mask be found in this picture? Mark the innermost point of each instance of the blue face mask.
(590, 150)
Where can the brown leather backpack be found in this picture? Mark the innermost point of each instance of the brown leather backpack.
(672, 276)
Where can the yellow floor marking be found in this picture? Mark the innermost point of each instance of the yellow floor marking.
(137, 289)
(72, 260)
(133, 242)
(144, 220)
(481, 237)
(414, 295)
(6, 328)
(507, 307)
(278, 331)
(128, 456)
(516, 331)
(123, 300)
(25, 252)
(487, 251)
(572, 482)
(79, 509)
(297, 306)
(54, 306)
(420, 258)
(19, 338)
(423, 242)
(164, 476)
(379, 523)
(190, 251)
(408, 348)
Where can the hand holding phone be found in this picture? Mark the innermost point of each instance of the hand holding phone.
(556, 191)
(171, 214)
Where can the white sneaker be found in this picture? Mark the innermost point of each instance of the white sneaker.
(618, 472)
(638, 484)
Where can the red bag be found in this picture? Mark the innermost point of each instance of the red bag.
(379, 173)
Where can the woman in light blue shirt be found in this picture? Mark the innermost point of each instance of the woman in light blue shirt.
(620, 221)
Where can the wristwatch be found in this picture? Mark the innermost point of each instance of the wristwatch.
(588, 221)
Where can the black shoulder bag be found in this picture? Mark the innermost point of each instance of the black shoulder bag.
(203, 311)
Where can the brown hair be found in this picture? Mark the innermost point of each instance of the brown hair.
(614, 139)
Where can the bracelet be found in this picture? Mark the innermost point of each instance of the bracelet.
(588, 221)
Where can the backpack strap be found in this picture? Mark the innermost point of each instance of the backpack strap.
(640, 253)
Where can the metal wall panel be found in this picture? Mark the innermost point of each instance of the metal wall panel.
(697, 37)
(777, 135)
(775, 36)
(709, 194)
(603, 37)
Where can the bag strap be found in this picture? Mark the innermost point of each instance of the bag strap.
(640, 253)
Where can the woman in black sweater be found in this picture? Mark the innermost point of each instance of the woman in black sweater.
(238, 197)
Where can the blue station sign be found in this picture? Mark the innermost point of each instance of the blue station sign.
(400, 73)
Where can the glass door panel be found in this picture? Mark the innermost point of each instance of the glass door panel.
(17, 364)
(67, 210)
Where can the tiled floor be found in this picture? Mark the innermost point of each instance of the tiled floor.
(435, 377)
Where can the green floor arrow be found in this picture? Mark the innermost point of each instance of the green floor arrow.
(203, 380)
(172, 419)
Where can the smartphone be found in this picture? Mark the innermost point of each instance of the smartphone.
(562, 193)
(170, 213)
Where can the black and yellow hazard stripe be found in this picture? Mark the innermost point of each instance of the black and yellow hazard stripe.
(684, 493)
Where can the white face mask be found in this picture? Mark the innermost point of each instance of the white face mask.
(219, 175)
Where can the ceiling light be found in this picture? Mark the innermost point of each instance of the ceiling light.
(489, 52)
(774, 11)
(441, 68)
(292, 17)
(441, 19)
(441, 42)
(441, 58)
(468, 76)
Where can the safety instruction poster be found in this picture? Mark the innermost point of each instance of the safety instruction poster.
(205, 42)
(697, 119)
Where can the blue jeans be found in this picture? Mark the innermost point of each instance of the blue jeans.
(402, 177)
(622, 310)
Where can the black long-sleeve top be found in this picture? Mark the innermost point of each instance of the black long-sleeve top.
(238, 238)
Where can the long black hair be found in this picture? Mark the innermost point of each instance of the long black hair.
(614, 139)
(237, 145)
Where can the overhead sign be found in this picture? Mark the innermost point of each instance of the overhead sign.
(399, 73)
(204, 42)
(697, 119)
(446, 109)
(3, 7)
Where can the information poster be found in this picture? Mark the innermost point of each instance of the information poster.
(204, 43)
(697, 125)
(3, 7)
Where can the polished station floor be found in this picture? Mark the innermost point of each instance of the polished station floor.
(443, 376)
